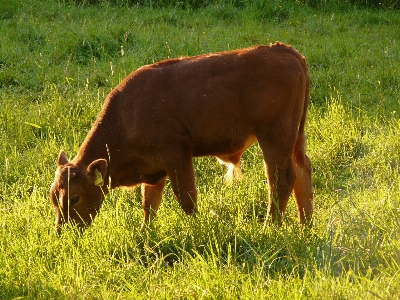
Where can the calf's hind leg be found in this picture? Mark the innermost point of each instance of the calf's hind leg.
(302, 188)
(280, 174)
(281, 177)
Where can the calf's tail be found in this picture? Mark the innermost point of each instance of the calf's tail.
(300, 145)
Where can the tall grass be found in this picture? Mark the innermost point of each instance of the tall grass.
(196, 4)
(58, 61)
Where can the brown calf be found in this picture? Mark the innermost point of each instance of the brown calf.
(162, 115)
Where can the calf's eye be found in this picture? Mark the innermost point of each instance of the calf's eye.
(73, 200)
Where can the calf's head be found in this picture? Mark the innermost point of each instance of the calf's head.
(77, 191)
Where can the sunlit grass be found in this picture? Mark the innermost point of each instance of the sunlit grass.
(58, 62)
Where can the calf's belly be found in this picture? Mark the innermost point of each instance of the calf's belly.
(227, 150)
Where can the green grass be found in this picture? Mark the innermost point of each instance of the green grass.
(58, 61)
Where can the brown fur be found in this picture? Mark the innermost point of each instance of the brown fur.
(162, 115)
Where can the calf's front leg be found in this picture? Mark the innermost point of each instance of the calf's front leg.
(181, 173)
(151, 198)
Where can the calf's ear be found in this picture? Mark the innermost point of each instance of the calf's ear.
(97, 171)
(62, 158)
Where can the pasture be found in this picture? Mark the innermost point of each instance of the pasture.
(59, 60)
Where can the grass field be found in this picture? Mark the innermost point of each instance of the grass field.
(58, 61)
